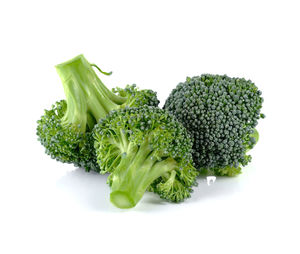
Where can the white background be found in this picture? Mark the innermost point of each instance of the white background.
(49, 207)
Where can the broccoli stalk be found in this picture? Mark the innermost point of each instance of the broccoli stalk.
(144, 148)
(88, 99)
(136, 171)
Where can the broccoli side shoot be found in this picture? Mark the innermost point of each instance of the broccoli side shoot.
(221, 114)
(144, 148)
(65, 129)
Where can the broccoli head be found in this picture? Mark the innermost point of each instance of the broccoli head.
(144, 148)
(65, 129)
(221, 114)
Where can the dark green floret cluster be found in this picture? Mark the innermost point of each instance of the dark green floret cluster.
(65, 143)
(65, 129)
(221, 114)
(144, 148)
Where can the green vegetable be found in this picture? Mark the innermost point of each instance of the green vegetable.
(144, 148)
(221, 114)
(65, 129)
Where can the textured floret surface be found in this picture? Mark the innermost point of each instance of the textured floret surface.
(221, 114)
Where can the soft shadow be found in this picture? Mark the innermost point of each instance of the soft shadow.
(222, 187)
(91, 191)
(87, 188)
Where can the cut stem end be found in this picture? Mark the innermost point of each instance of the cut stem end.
(122, 200)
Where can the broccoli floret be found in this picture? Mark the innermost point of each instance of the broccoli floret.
(144, 148)
(65, 129)
(221, 114)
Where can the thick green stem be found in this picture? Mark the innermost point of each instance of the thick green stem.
(76, 113)
(85, 93)
(134, 175)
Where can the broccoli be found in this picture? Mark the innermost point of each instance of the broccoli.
(66, 129)
(221, 114)
(144, 148)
